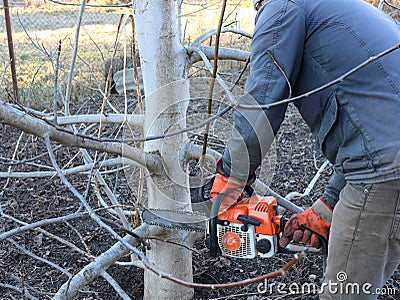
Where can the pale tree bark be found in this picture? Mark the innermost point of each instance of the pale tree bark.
(163, 64)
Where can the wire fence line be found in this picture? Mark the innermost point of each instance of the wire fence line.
(37, 31)
(43, 23)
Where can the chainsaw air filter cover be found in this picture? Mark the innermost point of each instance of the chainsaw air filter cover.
(249, 228)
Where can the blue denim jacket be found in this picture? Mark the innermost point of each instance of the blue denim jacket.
(356, 123)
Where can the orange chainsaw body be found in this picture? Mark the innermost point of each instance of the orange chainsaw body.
(249, 228)
(263, 209)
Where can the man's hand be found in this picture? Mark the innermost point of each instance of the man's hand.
(302, 227)
(230, 187)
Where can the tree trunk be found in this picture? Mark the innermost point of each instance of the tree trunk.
(163, 65)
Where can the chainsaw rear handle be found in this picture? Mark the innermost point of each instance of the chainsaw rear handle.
(324, 242)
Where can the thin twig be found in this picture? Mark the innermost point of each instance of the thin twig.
(212, 83)
(310, 186)
(92, 5)
(391, 5)
(197, 42)
(13, 157)
(73, 58)
(24, 292)
(27, 286)
(72, 171)
(11, 50)
(281, 272)
(57, 67)
(85, 204)
(31, 226)
(325, 86)
(7, 64)
(80, 237)
(50, 235)
(115, 285)
(282, 72)
(135, 67)
(39, 126)
(29, 253)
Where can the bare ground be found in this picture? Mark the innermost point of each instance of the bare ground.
(31, 200)
(35, 199)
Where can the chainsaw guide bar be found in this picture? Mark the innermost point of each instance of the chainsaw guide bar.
(176, 219)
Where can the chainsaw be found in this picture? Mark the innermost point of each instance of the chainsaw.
(250, 228)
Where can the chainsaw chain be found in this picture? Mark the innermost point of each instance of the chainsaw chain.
(194, 222)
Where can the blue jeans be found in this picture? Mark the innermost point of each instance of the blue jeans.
(364, 241)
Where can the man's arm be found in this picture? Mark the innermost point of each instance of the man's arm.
(332, 190)
(278, 40)
(316, 219)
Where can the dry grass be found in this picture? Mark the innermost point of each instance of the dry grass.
(47, 24)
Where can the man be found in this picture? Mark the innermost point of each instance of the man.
(300, 45)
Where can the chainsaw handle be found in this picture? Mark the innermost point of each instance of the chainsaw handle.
(213, 239)
(324, 243)
(209, 181)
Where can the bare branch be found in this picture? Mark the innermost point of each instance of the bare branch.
(282, 71)
(103, 262)
(13, 157)
(72, 171)
(40, 128)
(197, 42)
(93, 5)
(325, 86)
(212, 83)
(274, 274)
(310, 186)
(106, 188)
(223, 54)
(29, 253)
(262, 189)
(115, 285)
(24, 292)
(55, 92)
(98, 220)
(73, 58)
(31, 226)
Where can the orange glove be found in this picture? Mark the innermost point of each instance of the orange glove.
(231, 187)
(302, 227)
